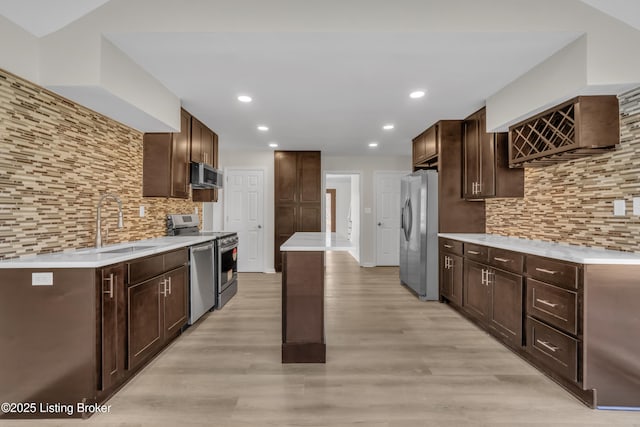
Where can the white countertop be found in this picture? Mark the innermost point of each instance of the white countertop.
(316, 242)
(93, 258)
(562, 251)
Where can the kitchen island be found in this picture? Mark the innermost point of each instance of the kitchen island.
(303, 295)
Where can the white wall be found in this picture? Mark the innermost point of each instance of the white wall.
(18, 51)
(366, 166)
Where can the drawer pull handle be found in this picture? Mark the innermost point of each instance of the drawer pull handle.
(544, 270)
(473, 252)
(448, 246)
(545, 302)
(502, 259)
(547, 345)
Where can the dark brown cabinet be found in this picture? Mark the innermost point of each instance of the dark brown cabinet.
(165, 166)
(425, 147)
(505, 308)
(486, 171)
(157, 297)
(112, 326)
(476, 291)
(451, 277)
(202, 143)
(456, 215)
(576, 128)
(451, 270)
(205, 143)
(297, 196)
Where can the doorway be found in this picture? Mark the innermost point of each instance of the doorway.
(330, 210)
(342, 207)
(244, 214)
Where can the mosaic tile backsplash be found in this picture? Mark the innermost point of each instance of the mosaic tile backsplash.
(56, 159)
(572, 202)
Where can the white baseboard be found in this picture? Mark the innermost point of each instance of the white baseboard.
(270, 271)
(367, 264)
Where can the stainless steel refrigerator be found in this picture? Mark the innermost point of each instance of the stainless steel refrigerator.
(419, 233)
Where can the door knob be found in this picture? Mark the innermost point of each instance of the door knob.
(379, 224)
(259, 226)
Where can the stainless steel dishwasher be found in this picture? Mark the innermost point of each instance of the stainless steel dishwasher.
(202, 283)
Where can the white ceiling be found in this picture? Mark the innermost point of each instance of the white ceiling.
(334, 90)
(327, 90)
(42, 17)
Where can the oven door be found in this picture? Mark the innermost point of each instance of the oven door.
(227, 273)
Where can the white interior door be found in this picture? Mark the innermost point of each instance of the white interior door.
(387, 186)
(244, 213)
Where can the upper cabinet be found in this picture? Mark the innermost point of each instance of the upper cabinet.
(425, 148)
(165, 166)
(167, 157)
(581, 126)
(202, 143)
(486, 171)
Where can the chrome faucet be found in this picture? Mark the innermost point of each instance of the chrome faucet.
(99, 217)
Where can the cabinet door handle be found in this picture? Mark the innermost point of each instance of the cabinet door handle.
(169, 280)
(502, 259)
(544, 270)
(473, 252)
(448, 246)
(545, 302)
(164, 287)
(483, 277)
(111, 279)
(547, 345)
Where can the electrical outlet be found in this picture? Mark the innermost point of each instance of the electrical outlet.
(636, 205)
(619, 208)
(141, 212)
(196, 210)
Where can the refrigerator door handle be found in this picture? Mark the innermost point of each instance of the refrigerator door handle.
(402, 218)
(407, 231)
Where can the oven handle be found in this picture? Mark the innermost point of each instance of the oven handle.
(227, 248)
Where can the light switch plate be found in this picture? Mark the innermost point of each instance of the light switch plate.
(619, 208)
(636, 205)
(141, 211)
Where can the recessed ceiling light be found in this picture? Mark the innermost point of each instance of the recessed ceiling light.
(263, 128)
(244, 98)
(388, 127)
(273, 145)
(416, 94)
(373, 144)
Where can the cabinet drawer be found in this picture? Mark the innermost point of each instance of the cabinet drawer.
(506, 260)
(145, 268)
(451, 246)
(555, 350)
(554, 305)
(554, 272)
(476, 252)
(175, 259)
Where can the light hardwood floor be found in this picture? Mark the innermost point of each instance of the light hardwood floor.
(392, 361)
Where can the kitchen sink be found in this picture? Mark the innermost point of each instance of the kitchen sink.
(126, 249)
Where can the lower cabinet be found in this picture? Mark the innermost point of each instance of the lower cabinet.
(451, 277)
(157, 312)
(475, 299)
(112, 326)
(506, 307)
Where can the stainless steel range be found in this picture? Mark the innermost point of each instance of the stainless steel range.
(224, 264)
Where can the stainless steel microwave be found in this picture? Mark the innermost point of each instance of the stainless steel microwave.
(205, 176)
